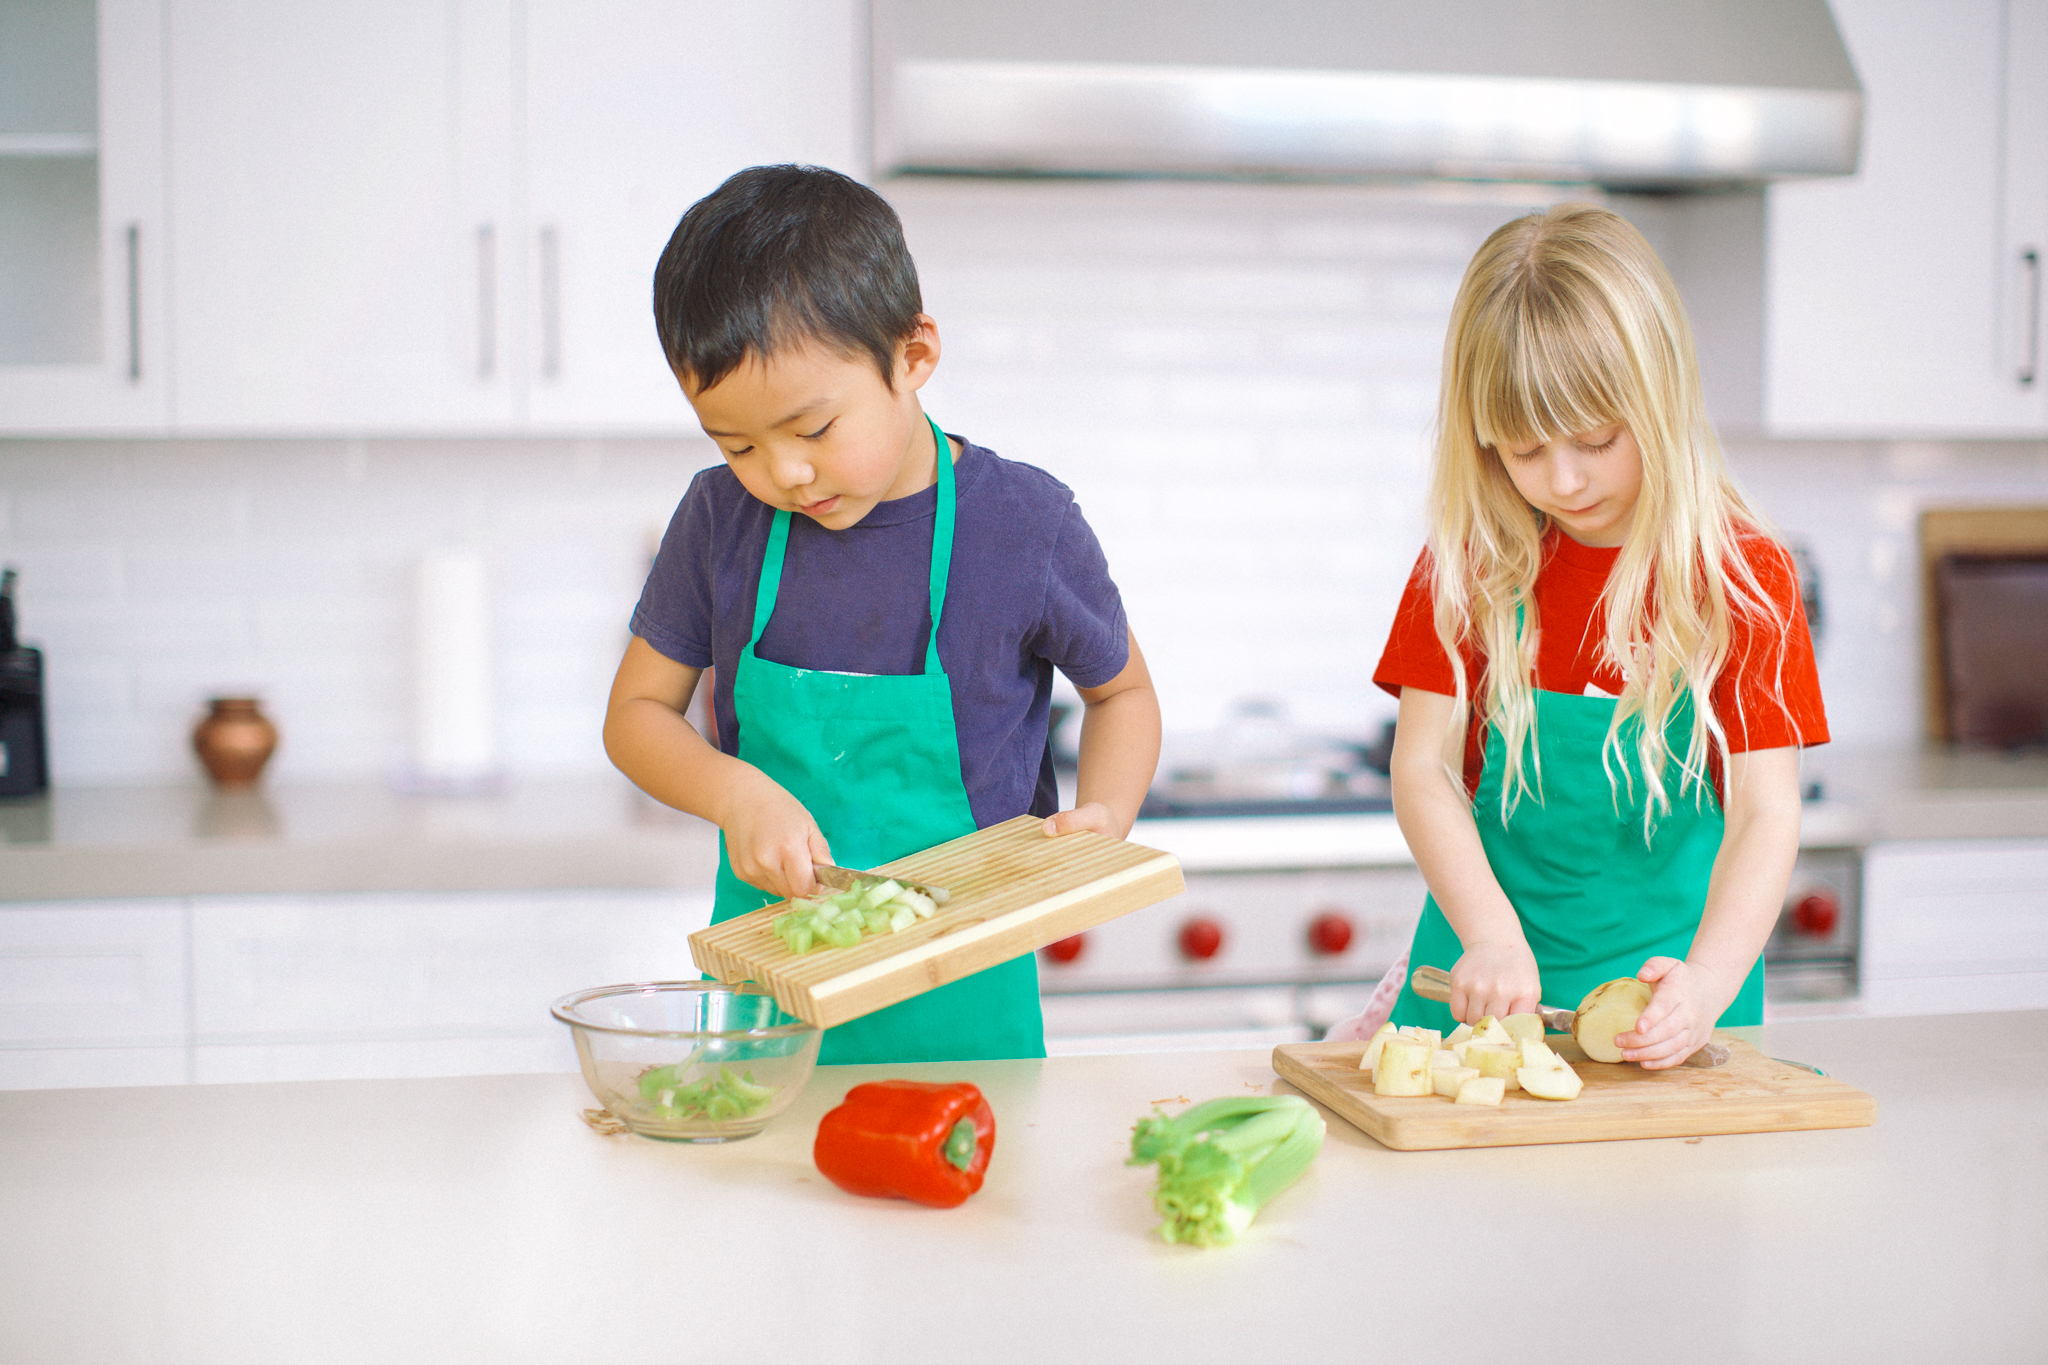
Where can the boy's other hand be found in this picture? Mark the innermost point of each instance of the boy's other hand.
(772, 842)
(1089, 815)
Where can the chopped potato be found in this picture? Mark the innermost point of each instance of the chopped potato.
(1481, 1090)
(1371, 1058)
(1558, 1082)
(1403, 1068)
(1446, 1080)
(1494, 1059)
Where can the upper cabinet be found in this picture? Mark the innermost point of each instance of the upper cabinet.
(398, 217)
(1907, 299)
(83, 340)
(342, 186)
(634, 111)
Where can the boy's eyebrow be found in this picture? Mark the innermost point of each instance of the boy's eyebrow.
(809, 407)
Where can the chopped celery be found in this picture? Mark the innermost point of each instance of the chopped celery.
(877, 905)
(724, 1096)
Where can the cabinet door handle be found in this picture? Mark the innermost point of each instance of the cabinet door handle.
(486, 302)
(550, 303)
(135, 303)
(2030, 263)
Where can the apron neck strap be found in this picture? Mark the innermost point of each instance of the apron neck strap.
(769, 586)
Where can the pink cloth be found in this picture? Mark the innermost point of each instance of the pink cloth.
(1378, 1010)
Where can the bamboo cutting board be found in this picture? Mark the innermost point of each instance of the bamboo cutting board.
(1013, 891)
(1750, 1094)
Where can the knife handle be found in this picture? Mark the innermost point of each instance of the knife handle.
(1431, 983)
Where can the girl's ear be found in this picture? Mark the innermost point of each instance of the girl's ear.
(917, 355)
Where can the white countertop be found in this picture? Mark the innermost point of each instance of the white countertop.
(478, 1219)
(599, 832)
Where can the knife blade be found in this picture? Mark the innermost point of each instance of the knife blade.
(1434, 983)
(842, 879)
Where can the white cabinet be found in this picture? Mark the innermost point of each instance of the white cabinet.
(343, 193)
(1906, 299)
(83, 340)
(634, 111)
(309, 987)
(1955, 926)
(396, 217)
(93, 993)
(258, 988)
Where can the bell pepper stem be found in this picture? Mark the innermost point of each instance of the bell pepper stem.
(960, 1144)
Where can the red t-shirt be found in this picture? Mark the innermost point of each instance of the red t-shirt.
(1568, 650)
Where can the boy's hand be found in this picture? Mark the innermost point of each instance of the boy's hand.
(772, 841)
(1495, 978)
(1680, 1019)
(1091, 815)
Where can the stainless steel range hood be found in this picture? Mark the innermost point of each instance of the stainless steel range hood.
(1631, 94)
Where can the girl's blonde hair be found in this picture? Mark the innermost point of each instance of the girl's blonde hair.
(1566, 322)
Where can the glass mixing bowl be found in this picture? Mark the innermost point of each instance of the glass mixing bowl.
(690, 1061)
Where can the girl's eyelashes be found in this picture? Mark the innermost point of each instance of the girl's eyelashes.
(814, 435)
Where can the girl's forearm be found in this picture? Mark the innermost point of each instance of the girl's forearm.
(1438, 825)
(1436, 819)
(1119, 753)
(1754, 866)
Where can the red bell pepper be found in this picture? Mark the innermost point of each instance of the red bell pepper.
(908, 1140)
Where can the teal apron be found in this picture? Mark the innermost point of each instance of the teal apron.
(1595, 901)
(876, 761)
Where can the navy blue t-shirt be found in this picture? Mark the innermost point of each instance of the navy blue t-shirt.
(1029, 591)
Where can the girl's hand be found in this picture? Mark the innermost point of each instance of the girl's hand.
(1091, 815)
(772, 841)
(1497, 979)
(1680, 1019)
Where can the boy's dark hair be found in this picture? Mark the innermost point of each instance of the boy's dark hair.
(778, 255)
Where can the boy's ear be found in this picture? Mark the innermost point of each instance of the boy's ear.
(917, 355)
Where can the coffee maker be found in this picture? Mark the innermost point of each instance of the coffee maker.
(24, 756)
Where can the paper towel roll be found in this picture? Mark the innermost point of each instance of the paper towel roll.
(455, 730)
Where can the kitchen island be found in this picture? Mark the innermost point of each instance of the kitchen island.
(478, 1218)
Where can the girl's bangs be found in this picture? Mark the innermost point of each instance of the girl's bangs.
(1545, 378)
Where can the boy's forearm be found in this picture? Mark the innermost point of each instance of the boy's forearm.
(667, 758)
(1119, 753)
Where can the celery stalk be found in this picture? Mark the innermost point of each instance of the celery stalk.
(1221, 1162)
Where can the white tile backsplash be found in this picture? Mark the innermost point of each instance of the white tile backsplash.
(1238, 382)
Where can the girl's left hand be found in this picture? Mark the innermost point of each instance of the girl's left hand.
(1680, 1019)
(1088, 815)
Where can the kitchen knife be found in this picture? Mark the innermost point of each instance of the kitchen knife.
(1434, 983)
(840, 879)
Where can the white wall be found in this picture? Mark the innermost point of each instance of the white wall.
(1237, 380)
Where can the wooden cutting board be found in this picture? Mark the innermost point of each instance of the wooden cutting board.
(1013, 891)
(1750, 1094)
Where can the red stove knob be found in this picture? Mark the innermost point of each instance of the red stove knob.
(1066, 949)
(1200, 939)
(1816, 913)
(1329, 934)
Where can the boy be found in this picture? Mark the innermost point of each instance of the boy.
(882, 623)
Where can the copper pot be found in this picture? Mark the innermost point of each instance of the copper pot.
(234, 741)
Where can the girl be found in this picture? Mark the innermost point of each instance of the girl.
(1607, 781)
